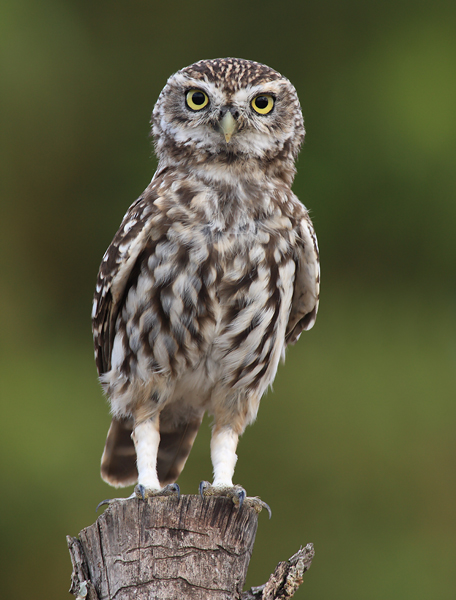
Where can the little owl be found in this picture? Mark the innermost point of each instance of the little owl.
(213, 272)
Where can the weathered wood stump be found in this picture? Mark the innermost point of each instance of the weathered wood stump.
(166, 548)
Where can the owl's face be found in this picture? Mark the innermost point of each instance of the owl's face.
(227, 110)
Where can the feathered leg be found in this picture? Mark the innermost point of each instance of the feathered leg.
(146, 437)
(223, 454)
(224, 442)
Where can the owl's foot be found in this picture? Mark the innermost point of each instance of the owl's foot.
(169, 490)
(143, 493)
(237, 494)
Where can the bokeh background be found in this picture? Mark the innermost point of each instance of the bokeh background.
(354, 450)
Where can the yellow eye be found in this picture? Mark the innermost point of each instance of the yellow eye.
(263, 104)
(196, 99)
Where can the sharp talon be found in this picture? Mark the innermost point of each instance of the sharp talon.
(268, 508)
(101, 504)
(202, 486)
(173, 487)
(257, 504)
(241, 497)
(142, 491)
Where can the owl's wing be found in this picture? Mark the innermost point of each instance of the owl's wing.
(113, 276)
(304, 305)
(119, 266)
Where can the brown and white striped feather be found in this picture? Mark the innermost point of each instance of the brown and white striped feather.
(214, 269)
(196, 317)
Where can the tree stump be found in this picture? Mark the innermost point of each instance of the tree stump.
(165, 548)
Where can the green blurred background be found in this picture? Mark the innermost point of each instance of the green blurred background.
(355, 449)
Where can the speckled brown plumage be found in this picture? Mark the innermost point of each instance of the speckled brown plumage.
(213, 271)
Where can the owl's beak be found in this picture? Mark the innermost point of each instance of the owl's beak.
(228, 125)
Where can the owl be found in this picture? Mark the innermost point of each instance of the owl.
(213, 272)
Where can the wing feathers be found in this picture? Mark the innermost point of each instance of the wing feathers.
(116, 267)
(306, 292)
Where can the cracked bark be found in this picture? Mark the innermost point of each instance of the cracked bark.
(166, 548)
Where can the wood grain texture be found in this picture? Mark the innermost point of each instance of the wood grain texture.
(176, 549)
(166, 548)
(286, 579)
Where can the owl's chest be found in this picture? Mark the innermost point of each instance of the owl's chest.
(210, 297)
(245, 278)
(239, 261)
(234, 328)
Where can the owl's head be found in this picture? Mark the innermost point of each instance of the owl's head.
(229, 111)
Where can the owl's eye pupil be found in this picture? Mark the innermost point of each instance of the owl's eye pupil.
(262, 102)
(198, 98)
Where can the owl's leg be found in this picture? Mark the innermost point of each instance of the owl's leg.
(223, 454)
(224, 442)
(146, 437)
